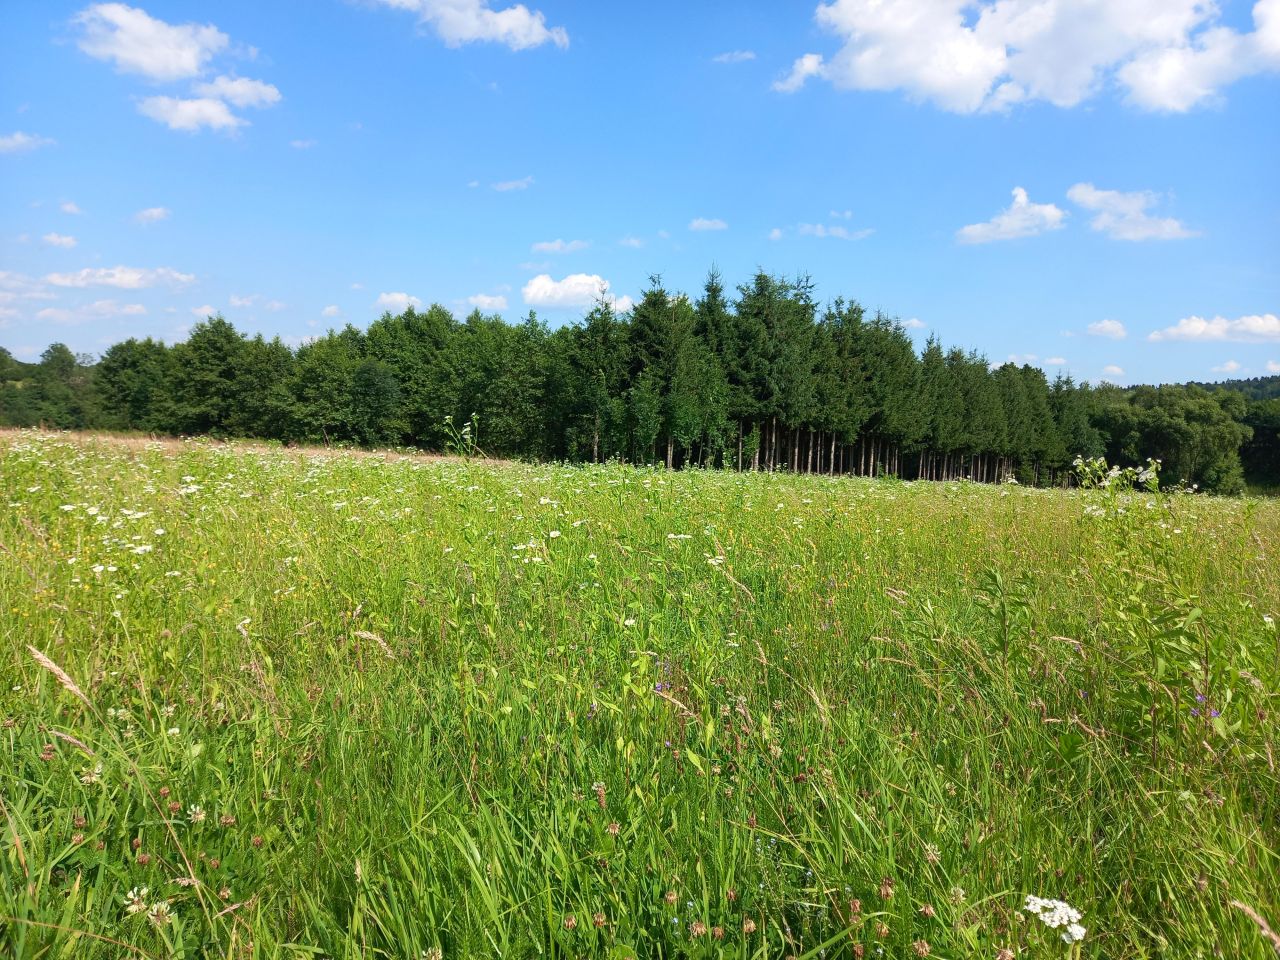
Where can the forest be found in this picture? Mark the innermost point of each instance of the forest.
(762, 378)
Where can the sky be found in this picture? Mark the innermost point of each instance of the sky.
(1087, 185)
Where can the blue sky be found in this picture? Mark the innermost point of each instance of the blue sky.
(1090, 185)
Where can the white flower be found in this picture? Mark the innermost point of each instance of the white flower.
(195, 813)
(135, 900)
(1073, 933)
(160, 914)
(554, 534)
(89, 777)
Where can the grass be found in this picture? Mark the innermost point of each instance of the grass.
(350, 706)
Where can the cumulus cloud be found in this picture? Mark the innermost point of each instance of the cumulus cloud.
(139, 43)
(836, 231)
(1254, 328)
(1112, 329)
(19, 142)
(397, 302)
(734, 56)
(68, 207)
(634, 243)
(201, 313)
(483, 301)
(459, 22)
(1111, 370)
(1056, 362)
(809, 65)
(192, 114)
(1021, 219)
(559, 246)
(506, 186)
(151, 215)
(124, 278)
(302, 144)
(97, 310)
(59, 240)
(775, 233)
(914, 323)
(1231, 366)
(239, 301)
(331, 311)
(971, 55)
(1273, 366)
(1123, 216)
(575, 290)
(239, 91)
(702, 223)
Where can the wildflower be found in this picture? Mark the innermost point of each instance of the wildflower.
(731, 895)
(886, 889)
(921, 948)
(717, 932)
(77, 838)
(613, 829)
(598, 919)
(1056, 914)
(748, 926)
(90, 777)
(958, 895)
(135, 900)
(160, 914)
(928, 911)
(882, 929)
(224, 893)
(1004, 953)
(433, 953)
(195, 813)
(697, 929)
(932, 853)
(571, 922)
(227, 820)
(671, 898)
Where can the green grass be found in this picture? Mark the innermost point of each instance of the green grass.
(509, 711)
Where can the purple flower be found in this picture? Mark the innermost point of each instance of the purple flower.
(1199, 698)
(1195, 712)
(659, 687)
(1215, 713)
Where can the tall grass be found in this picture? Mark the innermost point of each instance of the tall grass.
(347, 707)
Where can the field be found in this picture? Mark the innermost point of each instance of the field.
(266, 703)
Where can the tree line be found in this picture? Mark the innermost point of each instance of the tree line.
(763, 378)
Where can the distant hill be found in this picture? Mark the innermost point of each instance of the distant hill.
(1254, 388)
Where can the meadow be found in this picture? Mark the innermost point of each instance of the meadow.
(269, 703)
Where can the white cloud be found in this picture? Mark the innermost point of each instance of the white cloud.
(397, 302)
(98, 310)
(19, 142)
(239, 91)
(841, 214)
(138, 43)
(970, 55)
(238, 301)
(809, 65)
(1231, 366)
(1056, 362)
(1273, 366)
(1111, 370)
(458, 22)
(575, 290)
(68, 207)
(275, 306)
(559, 246)
(331, 311)
(59, 240)
(190, 115)
(151, 215)
(1021, 219)
(1255, 328)
(837, 231)
(505, 186)
(734, 56)
(913, 323)
(702, 223)
(124, 278)
(302, 144)
(634, 243)
(1123, 216)
(775, 233)
(1112, 329)
(483, 301)
(200, 313)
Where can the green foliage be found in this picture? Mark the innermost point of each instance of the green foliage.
(346, 705)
